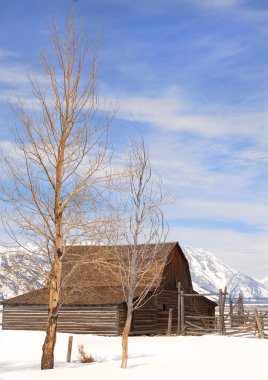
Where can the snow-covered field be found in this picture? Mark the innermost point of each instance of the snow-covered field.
(191, 358)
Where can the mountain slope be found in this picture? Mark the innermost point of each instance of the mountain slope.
(209, 274)
(20, 272)
(264, 281)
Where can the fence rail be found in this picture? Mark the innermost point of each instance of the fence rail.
(250, 301)
(247, 317)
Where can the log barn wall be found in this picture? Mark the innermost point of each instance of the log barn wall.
(152, 318)
(102, 320)
(168, 299)
(109, 320)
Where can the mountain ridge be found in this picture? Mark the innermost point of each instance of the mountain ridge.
(209, 274)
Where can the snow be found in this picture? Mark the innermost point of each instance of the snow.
(191, 358)
(209, 274)
(264, 281)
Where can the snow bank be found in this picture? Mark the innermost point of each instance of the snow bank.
(188, 358)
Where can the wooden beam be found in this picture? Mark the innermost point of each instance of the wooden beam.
(169, 322)
(69, 351)
(259, 322)
(220, 310)
(179, 308)
(231, 311)
(200, 295)
(182, 314)
(223, 307)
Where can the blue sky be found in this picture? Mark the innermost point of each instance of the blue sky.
(191, 76)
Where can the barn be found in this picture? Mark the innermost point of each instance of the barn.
(93, 302)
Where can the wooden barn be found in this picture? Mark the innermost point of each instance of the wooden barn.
(92, 300)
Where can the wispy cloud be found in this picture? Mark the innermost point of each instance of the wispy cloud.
(9, 149)
(216, 3)
(15, 76)
(15, 82)
(243, 251)
(252, 214)
(170, 113)
(214, 48)
(7, 54)
(210, 170)
(240, 9)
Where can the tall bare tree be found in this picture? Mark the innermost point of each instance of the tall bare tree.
(143, 231)
(59, 176)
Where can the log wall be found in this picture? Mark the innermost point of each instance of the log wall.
(165, 301)
(152, 318)
(102, 320)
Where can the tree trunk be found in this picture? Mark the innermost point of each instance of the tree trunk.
(47, 361)
(125, 340)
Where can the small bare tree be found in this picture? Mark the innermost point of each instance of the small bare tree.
(58, 179)
(142, 232)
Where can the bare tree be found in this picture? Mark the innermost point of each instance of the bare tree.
(59, 176)
(142, 232)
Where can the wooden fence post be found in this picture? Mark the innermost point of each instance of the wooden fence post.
(222, 299)
(179, 308)
(231, 311)
(240, 308)
(259, 322)
(182, 314)
(220, 310)
(70, 345)
(169, 322)
(223, 308)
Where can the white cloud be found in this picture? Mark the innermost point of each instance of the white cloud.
(245, 252)
(249, 213)
(216, 3)
(170, 113)
(6, 54)
(226, 196)
(9, 149)
(239, 9)
(208, 170)
(15, 76)
(15, 81)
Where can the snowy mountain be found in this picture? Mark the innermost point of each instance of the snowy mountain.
(264, 281)
(20, 272)
(209, 274)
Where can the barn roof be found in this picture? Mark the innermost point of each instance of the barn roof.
(91, 274)
(97, 295)
(87, 266)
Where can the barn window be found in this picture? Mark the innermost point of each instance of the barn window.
(165, 307)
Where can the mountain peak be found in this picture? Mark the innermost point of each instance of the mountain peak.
(209, 274)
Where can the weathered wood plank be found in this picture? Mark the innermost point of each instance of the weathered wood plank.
(103, 320)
